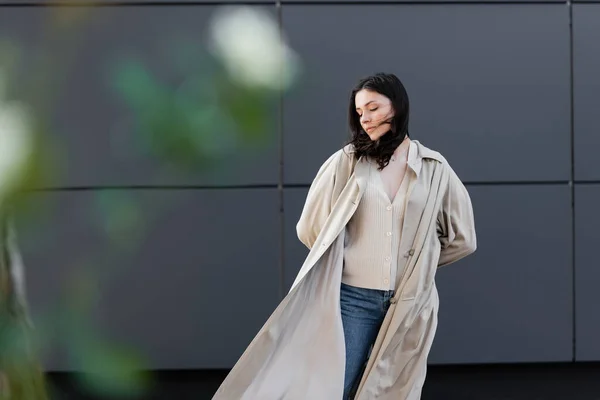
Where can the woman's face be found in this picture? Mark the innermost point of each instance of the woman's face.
(374, 111)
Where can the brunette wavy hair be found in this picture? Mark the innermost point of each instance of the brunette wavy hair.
(382, 149)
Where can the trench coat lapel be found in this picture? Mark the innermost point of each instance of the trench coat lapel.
(414, 205)
(353, 188)
(417, 224)
(419, 211)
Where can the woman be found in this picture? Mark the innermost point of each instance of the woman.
(381, 215)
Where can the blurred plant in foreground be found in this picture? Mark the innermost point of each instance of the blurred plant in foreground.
(252, 48)
(16, 139)
(212, 101)
(21, 375)
(219, 100)
(225, 95)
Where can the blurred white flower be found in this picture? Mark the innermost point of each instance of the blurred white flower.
(252, 48)
(15, 141)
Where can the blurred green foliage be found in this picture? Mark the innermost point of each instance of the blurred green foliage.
(201, 120)
(192, 119)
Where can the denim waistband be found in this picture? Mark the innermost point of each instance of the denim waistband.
(368, 293)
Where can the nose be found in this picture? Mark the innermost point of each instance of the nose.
(365, 118)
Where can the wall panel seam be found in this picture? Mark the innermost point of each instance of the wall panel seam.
(284, 186)
(107, 3)
(572, 184)
(280, 185)
(421, 3)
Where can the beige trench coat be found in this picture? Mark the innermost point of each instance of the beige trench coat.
(299, 353)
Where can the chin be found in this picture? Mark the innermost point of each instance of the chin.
(375, 136)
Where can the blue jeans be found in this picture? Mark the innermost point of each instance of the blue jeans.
(363, 311)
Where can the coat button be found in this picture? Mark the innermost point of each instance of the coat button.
(411, 252)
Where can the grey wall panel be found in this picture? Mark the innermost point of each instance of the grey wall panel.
(470, 78)
(92, 120)
(587, 272)
(193, 293)
(295, 252)
(586, 64)
(511, 301)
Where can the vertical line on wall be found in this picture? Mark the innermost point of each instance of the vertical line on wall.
(281, 163)
(572, 182)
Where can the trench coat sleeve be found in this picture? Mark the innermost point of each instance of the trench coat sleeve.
(456, 223)
(319, 202)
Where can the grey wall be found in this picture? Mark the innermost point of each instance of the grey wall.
(507, 92)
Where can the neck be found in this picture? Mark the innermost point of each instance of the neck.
(402, 149)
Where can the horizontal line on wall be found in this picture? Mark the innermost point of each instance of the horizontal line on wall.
(108, 3)
(84, 3)
(424, 3)
(285, 186)
(148, 187)
(587, 182)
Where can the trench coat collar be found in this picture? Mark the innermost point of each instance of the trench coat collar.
(416, 153)
(414, 162)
